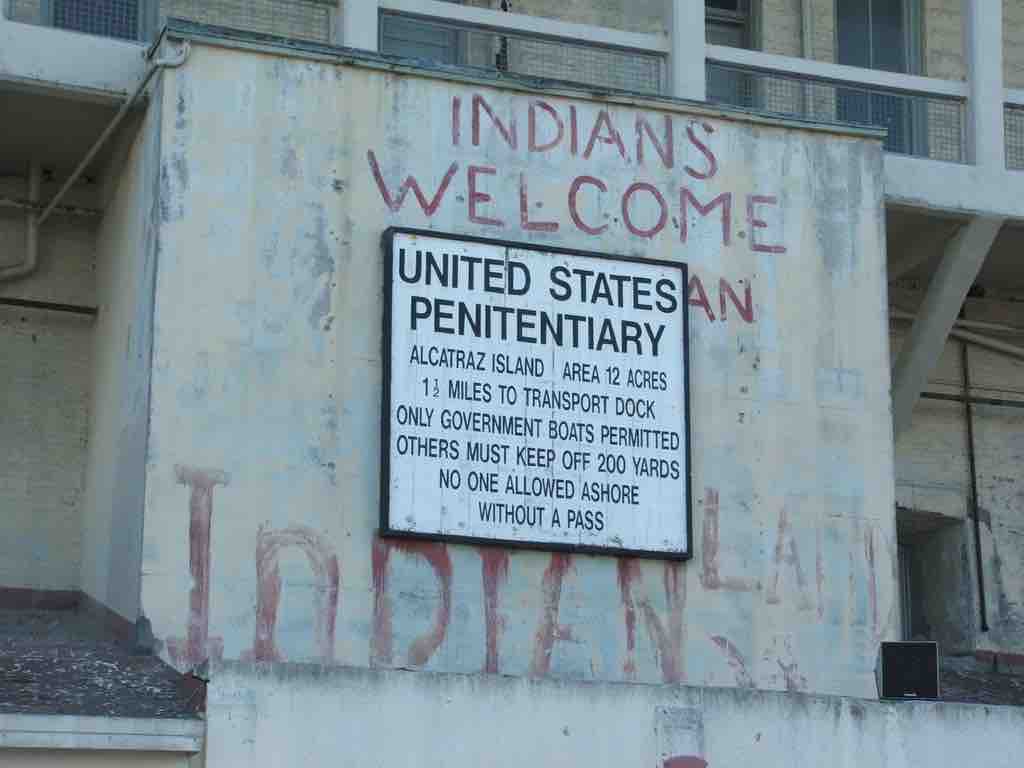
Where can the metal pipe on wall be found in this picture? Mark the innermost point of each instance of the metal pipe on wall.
(973, 469)
(32, 220)
(154, 67)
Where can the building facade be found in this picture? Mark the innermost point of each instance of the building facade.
(192, 311)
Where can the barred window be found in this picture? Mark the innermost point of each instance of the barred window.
(110, 18)
(728, 22)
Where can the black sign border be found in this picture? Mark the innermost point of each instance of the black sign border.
(386, 531)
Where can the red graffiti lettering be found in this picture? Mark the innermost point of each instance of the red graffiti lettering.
(710, 577)
(755, 223)
(476, 196)
(737, 663)
(395, 202)
(507, 133)
(664, 148)
(574, 188)
(787, 553)
(746, 308)
(666, 636)
(456, 120)
(524, 211)
(324, 564)
(687, 198)
(611, 137)
(684, 761)
(422, 648)
(198, 646)
(533, 144)
(702, 298)
(704, 150)
(549, 629)
(494, 571)
(631, 190)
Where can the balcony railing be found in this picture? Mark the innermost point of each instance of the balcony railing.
(140, 19)
(1013, 126)
(553, 58)
(919, 124)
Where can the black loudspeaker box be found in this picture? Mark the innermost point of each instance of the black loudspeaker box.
(908, 670)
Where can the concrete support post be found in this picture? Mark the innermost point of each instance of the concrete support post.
(961, 261)
(360, 20)
(685, 23)
(983, 51)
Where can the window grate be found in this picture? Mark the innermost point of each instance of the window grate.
(922, 125)
(454, 43)
(1013, 126)
(298, 19)
(110, 18)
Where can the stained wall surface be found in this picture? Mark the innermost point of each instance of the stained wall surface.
(126, 245)
(278, 177)
(263, 715)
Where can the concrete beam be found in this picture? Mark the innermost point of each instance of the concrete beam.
(983, 49)
(948, 288)
(925, 245)
(684, 20)
(47, 60)
(360, 24)
(108, 734)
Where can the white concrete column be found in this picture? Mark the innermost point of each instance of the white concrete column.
(686, 70)
(983, 53)
(359, 24)
(947, 290)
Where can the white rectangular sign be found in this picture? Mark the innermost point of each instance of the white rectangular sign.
(534, 396)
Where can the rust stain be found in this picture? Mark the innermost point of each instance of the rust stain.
(549, 630)
(423, 647)
(198, 646)
(494, 572)
(324, 564)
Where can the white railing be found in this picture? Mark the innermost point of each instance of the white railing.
(838, 72)
(529, 25)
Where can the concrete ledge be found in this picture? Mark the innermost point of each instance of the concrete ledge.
(101, 733)
(82, 66)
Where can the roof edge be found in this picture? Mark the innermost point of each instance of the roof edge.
(129, 734)
(226, 37)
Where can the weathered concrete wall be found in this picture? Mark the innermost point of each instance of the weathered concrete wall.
(127, 251)
(272, 714)
(44, 399)
(73, 758)
(278, 178)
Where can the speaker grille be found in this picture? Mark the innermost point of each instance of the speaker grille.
(909, 670)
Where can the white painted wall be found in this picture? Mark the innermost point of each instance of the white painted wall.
(273, 714)
(267, 379)
(126, 250)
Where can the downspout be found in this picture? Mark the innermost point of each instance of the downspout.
(28, 264)
(972, 468)
(32, 220)
(154, 67)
